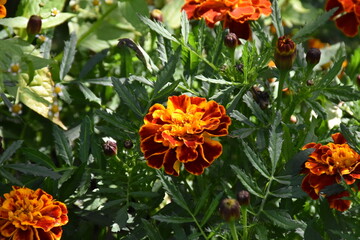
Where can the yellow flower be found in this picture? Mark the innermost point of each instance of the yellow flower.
(14, 68)
(54, 12)
(16, 109)
(31, 215)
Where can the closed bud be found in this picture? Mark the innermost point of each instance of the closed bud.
(240, 67)
(34, 25)
(243, 198)
(110, 148)
(313, 56)
(285, 53)
(128, 144)
(157, 15)
(231, 40)
(310, 82)
(229, 209)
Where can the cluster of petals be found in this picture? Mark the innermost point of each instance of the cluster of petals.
(2, 8)
(347, 16)
(26, 214)
(182, 133)
(234, 14)
(330, 164)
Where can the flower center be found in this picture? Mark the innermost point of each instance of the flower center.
(26, 212)
(344, 158)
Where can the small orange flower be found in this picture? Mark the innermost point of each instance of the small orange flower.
(2, 8)
(181, 133)
(234, 14)
(347, 16)
(26, 214)
(328, 165)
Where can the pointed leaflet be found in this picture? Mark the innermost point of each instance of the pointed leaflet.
(330, 75)
(275, 142)
(10, 177)
(172, 219)
(39, 157)
(159, 28)
(247, 181)
(255, 160)
(166, 74)
(34, 169)
(69, 54)
(350, 137)
(62, 146)
(89, 95)
(241, 118)
(276, 18)
(85, 134)
(283, 219)
(210, 210)
(10, 151)
(255, 109)
(185, 26)
(152, 231)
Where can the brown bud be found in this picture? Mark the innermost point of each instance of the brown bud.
(285, 53)
(34, 25)
(313, 56)
(231, 40)
(157, 15)
(260, 97)
(240, 67)
(310, 82)
(243, 198)
(128, 144)
(110, 148)
(229, 209)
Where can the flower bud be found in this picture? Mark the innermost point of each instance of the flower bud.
(157, 15)
(310, 82)
(128, 144)
(285, 53)
(34, 25)
(240, 67)
(313, 56)
(231, 40)
(229, 209)
(110, 148)
(243, 198)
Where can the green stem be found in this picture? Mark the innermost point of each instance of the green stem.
(244, 222)
(266, 195)
(198, 225)
(233, 230)
(282, 79)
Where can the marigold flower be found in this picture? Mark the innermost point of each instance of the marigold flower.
(3, 8)
(26, 214)
(181, 133)
(347, 16)
(328, 165)
(234, 14)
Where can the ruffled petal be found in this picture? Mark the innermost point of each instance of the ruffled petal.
(330, 4)
(211, 150)
(338, 138)
(336, 201)
(186, 154)
(7, 228)
(22, 235)
(348, 24)
(242, 30)
(156, 160)
(171, 164)
(149, 147)
(178, 102)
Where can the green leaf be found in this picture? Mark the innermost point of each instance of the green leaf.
(91, 63)
(330, 75)
(39, 157)
(341, 93)
(10, 151)
(62, 146)
(255, 109)
(215, 81)
(275, 142)
(276, 18)
(247, 181)
(72, 181)
(127, 95)
(202, 200)
(88, 94)
(185, 27)
(282, 219)
(241, 118)
(10, 177)
(159, 28)
(171, 188)
(85, 134)
(255, 160)
(242, 132)
(211, 209)
(350, 137)
(295, 164)
(152, 231)
(172, 219)
(69, 54)
(34, 169)
(167, 90)
(121, 217)
(309, 28)
(310, 233)
(354, 64)
(166, 74)
(316, 106)
(51, 22)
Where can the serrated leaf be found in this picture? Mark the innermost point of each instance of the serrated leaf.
(312, 26)
(202, 200)
(255, 109)
(34, 169)
(247, 181)
(62, 146)
(166, 74)
(127, 95)
(276, 18)
(85, 133)
(10, 177)
(172, 219)
(91, 63)
(275, 142)
(159, 28)
(350, 137)
(51, 22)
(255, 160)
(316, 106)
(72, 182)
(282, 219)
(167, 90)
(330, 75)
(295, 164)
(242, 132)
(152, 231)
(211, 209)
(121, 217)
(241, 118)
(185, 28)
(215, 81)
(341, 93)
(69, 54)
(10, 151)
(39, 157)
(88, 94)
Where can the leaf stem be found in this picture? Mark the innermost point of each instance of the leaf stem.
(244, 222)
(233, 230)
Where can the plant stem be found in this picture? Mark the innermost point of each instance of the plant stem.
(233, 230)
(282, 79)
(198, 225)
(244, 222)
(266, 195)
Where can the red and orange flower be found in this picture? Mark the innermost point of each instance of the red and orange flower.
(234, 14)
(347, 16)
(2, 8)
(31, 215)
(181, 133)
(328, 165)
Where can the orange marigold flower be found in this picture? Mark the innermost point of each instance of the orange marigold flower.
(328, 165)
(181, 133)
(2, 8)
(347, 16)
(234, 14)
(26, 214)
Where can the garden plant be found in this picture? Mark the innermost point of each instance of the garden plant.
(179, 119)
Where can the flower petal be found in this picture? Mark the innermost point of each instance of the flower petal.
(339, 204)
(348, 24)
(186, 154)
(211, 150)
(7, 228)
(330, 4)
(22, 235)
(171, 164)
(149, 147)
(2, 11)
(338, 138)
